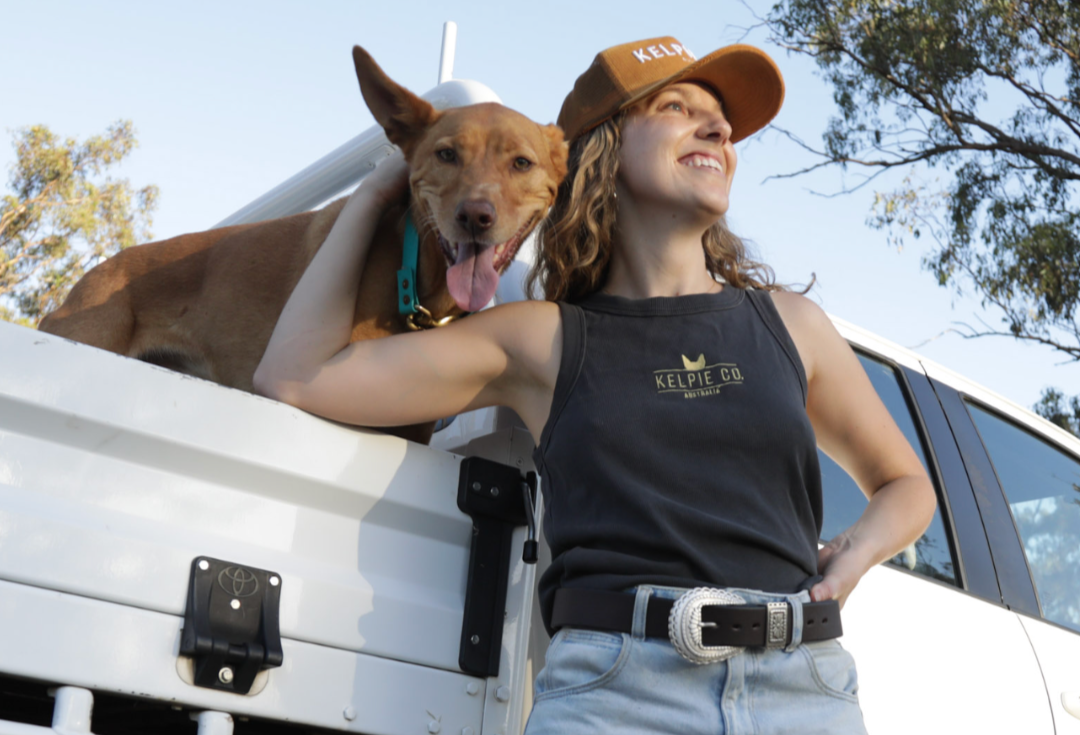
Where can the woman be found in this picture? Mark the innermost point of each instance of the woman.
(675, 396)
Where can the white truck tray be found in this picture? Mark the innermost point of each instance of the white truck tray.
(115, 475)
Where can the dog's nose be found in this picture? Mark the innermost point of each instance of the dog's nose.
(475, 215)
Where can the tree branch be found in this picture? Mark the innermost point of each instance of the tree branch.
(942, 111)
(1044, 35)
(13, 214)
(1073, 352)
(1037, 97)
(8, 266)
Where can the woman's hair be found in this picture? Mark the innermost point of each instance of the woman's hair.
(575, 240)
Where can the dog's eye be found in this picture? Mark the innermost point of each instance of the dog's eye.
(446, 155)
(522, 164)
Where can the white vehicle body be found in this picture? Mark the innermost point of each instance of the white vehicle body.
(115, 475)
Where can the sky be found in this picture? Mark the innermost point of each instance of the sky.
(229, 99)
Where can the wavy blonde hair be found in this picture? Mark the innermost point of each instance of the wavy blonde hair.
(575, 241)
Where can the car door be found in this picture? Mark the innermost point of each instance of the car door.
(937, 650)
(1032, 471)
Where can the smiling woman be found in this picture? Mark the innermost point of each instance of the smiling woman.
(674, 492)
(677, 398)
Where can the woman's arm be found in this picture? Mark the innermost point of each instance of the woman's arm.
(503, 356)
(317, 320)
(855, 429)
(508, 355)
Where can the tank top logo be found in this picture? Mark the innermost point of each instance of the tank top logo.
(696, 379)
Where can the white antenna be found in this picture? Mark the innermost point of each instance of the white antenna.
(446, 60)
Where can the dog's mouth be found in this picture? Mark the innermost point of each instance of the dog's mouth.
(473, 268)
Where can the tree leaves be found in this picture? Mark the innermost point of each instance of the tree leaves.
(64, 215)
(988, 93)
(1059, 410)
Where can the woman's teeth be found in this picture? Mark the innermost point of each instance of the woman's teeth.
(703, 162)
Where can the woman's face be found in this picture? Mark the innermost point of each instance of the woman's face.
(676, 151)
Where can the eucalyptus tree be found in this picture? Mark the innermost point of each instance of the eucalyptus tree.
(63, 214)
(978, 103)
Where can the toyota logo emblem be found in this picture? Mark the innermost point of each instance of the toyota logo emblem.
(238, 581)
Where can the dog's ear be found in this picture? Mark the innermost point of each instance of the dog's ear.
(402, 114)
(558, 148)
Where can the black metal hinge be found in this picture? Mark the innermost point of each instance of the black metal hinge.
(498, 498)
(231, 624)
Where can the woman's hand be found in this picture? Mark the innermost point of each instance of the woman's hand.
(842, 563)
(389, 182)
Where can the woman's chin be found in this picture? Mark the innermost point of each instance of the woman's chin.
(712, 208)
(707, 207)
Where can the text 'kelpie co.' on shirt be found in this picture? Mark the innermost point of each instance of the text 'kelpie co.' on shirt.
(678, 450)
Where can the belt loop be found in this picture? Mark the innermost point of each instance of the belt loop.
(796, 603)
(641, 605)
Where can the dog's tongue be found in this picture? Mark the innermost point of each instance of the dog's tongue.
(472, 280)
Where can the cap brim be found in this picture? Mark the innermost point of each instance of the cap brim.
(748, 81)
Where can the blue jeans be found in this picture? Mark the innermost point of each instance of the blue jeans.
(599, 682)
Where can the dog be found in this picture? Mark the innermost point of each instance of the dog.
(481, 178)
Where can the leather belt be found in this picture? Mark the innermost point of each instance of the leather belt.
(721, 625)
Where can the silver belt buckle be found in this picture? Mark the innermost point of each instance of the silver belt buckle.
(685, 625)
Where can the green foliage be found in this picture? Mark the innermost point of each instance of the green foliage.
(988, 90)
(64, 215)
(985, 96)
(1059, 410)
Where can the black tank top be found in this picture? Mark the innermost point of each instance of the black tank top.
(678, 450)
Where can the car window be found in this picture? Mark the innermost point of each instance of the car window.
(1042, 486)
(930, 555)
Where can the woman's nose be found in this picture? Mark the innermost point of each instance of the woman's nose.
(716, 127)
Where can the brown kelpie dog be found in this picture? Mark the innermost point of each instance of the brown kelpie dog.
(481, 178)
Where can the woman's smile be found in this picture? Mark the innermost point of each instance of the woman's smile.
(703, 161)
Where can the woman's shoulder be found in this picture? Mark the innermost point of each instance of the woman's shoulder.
(799, 312)
(525, 313)
(519, 324)
(531, 337)
(809, 326)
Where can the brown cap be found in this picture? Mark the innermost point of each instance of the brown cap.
(748, 81)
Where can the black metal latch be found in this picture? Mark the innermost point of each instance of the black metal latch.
(231, 624)
(498, 498)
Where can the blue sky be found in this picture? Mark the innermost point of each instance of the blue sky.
(231, 98)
